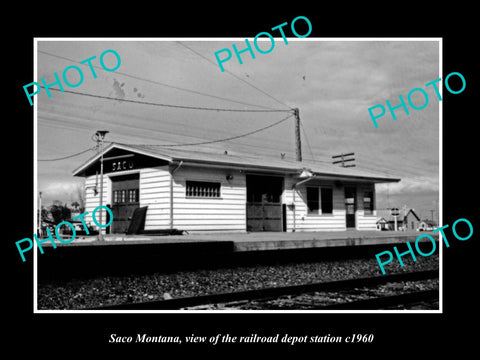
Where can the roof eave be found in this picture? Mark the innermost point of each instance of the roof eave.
(219, 164)
(358, 177)
(244, 167)
(79, 171)
(282, 170)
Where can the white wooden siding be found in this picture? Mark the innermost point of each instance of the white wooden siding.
(155, 193)
(92, 200)
(365, 222)
(327, 222)
(313, 222)
(227, 213)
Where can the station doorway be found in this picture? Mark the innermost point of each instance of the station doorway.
(264, 203)
(351, 206)
(125, 199)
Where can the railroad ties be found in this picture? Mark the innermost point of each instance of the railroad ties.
(402, 289)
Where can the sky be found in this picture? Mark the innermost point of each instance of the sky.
(331, 82)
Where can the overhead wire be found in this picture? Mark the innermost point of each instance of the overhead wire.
(154, 134)
(187, 107)
(366, 163)
(163, 104)
(68, 156)
(162, 84)
(235, 76)
(147, 133)
(218, 140)
(306, 139)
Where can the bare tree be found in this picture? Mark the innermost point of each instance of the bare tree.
(80, 192)
(59, 212)
(75, 205)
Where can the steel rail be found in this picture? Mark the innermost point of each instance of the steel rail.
(269, 293)
(384, 302)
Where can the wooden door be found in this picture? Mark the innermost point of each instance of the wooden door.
(264, 207)
(125, 199)
(350, 206)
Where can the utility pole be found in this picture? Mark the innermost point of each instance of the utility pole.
(40, 213)
(343, 160)
(100, 135)
(298, 139)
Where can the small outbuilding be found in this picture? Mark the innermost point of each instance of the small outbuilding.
(411, 220)
(382, 224)
(426, 225)
(199, 191)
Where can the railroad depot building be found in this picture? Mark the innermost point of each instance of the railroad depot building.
(196, 191)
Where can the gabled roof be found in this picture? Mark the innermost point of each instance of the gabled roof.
(386, 214)
(411, 211)
(429, 222)
(242, 161)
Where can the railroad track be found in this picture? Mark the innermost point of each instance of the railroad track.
(419, 298)
(265, 294)
(425, 299)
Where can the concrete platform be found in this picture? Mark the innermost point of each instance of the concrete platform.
(259, 241)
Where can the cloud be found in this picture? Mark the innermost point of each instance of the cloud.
(409, 185)
(63, 190)
(342, 79)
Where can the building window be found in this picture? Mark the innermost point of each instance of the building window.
(368, 202)
(203, 189)
(313, 199)
(119, 196)
(327, 201)
(125, 196)
(133, 195)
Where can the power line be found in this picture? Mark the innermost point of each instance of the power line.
(218, 140)
(152, 133)
(68, 156)
(236, 77)
(163, 84)
(306, 139)
(164, 105)
(371, 162)
(378, 168)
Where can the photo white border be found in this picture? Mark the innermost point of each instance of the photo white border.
(285, 312)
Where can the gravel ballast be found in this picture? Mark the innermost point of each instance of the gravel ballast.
(110, 290)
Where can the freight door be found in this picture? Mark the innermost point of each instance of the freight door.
(350, 205)
(264, 207)
(124, 201)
